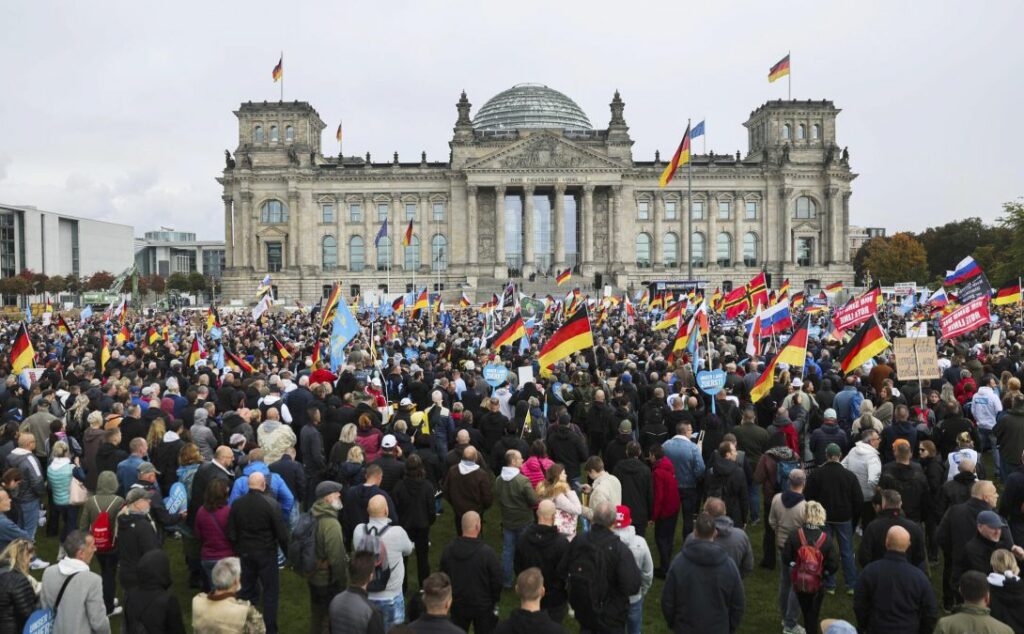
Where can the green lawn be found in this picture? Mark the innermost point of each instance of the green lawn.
(761, 615)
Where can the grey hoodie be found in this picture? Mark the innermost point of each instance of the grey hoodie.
(735, 542)
(203, 436)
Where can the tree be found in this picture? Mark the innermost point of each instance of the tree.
(99, 281)
(18, 286)
(197, 282)
(947, 244)
(900, 258)
(179, 282)
(1010, 251)
(143, 285)
(156, 284)
(56, 285)
(73, 283)
(859, 257)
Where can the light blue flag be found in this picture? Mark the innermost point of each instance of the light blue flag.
(86, 313)
(907, 304)
(28, 315)
(697, 130)
(216, 333)
(344, 329)
(218, 357)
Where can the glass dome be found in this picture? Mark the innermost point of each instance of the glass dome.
(530, 106)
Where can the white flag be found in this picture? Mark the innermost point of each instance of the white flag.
(261, 308)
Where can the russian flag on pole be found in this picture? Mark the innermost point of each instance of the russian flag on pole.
(938, 298)
(965, 270)
(774, 319)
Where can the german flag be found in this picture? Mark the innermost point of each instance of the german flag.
(671, 318)
(104, 353)
(166, 332)
(657, 301)
(281, 350)
(834, 287)
(152, 336)
(196, 353)
(399, 304)
(22, 353)
(680, 158)
(563, 277)
(123, 335)
(238, 364)
(464, 301)
(212, 318)
(869, 341)
(278, 71)
(779, 70)
(687, 330)
(645, 298)
(510, 333)
(315, 356)
(573, 336)
(794, 353)
(407, 236)
(337, 135)
(422, 303)
(62, 326)
(716, 300)
(797, 300)
(331, 306)
(1007, 295)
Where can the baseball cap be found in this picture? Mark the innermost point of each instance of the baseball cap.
(135, 494)
(797, 382)
(990, 519)
(830, 413)
(405, 402)
(388, 442)
(625, 427)
(327, 487)
(622, 517)
(236, 439)
(146, 467)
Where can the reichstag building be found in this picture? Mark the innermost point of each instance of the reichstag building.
(531, 188)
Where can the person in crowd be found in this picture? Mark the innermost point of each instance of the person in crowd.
(516, 499)
(468, 487)
(734, 541)
(351, 610)
(839, 491)
(1006, 590)
(907, 477)
(641, 552)
(810, 592)
(9, 530)
(33, 484)
(604, 488)
(543, 546)
(275, 483)
(985, 407)
(872, 543)
(829, 433)
(974, 615)
(105, 500)
(137, 534)
(379, 530)
(128, 469)
(530, 617)
(568, 508)
(989, 537)
(292, 472)
(752, 441)
(150, 603)
(221, 611)
(537, 465)
(476, 577)
(311, 452)
(893, 595)
(689, 465)
(1011, 505)
(414, 497)
(772, 474)
(211, 528)
(330, 575)
(356, 500)
(958, 526)
(391, 463)
(83, 591)
(787, 514)
(17, 586)
(62, 469)
(437, 601)
(726, 480)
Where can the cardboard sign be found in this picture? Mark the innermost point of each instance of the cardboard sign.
(858, 311)
(963, 320)
(916, 358)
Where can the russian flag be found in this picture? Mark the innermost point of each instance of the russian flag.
(938, 298)
(774, 319)
(965, 270)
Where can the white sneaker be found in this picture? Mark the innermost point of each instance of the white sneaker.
(117, 610)
(796, 629)
(60, 553)
(38, 564)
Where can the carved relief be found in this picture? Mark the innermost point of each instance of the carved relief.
(545, 151)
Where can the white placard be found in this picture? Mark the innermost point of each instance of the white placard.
(525, 374)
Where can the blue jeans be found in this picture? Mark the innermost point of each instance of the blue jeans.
(635, 617)
(789, 607)
(754, 499)
(510, 537)
(841, 533)
(29, 517)
(393, 611)
(988, 440)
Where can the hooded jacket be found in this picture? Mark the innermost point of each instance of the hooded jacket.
(1006, 594)
(767, 468)
(475, 572)
(703, 590)
(726, 480)
(786, 515)
(543, 547)
(105, 499)
(1009, 432)
(515, 497)
(414, 498)
(783, 425)
(85, 592)
(136, 535)
(275, 486)
(666, 490)
(736, 544)
(837, 490)
(823, 436)
(332, 560)
(150, 601)
(568, 448)
(864, 462)
(275, 438)
(985, 405)
(468, 488)
(33, 486)
(898, 429)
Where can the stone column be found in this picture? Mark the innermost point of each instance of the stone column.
(844, 224)
(657, 255)
(396, 229)
(832, 252)
(786, 251)
(248, 231)
(738, 208)
(291, 257)
(501, 263)
(425, 232)
(614, 206)
(229, 238)
(369, 215)
(558, 227)
(587, 218)
(711, 244)
(528, 245)
(471, 233)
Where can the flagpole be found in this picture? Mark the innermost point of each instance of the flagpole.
(689, 214)
(282, 76)
(789, 76)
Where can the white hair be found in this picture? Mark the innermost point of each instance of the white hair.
(226, 573)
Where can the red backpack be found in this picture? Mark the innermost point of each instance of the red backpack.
(101, 530)
(810, 565)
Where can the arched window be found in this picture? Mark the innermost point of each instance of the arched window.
(438, 253)
(787, 132)
(697, 249)
(670, 250)
(412, 254)
(273, 212)
(801, 132)
(329, 253)
(643, 251)
(750, 249)
(257, 134)
(383, 253)
(289, 133)
(723, 250)
(815, 132)
(356, 254)
(273, 134)
(806, 207)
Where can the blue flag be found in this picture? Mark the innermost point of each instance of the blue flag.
(344, 329)
(28, 314)
(86, 313)
(383, 233)
(697, 130)
(218, 357)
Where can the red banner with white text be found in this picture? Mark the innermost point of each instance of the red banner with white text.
(963, 320)
(858, 311)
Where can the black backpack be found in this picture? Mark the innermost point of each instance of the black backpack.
(587, 580)
(302, 547)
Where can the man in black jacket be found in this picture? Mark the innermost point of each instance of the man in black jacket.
(908, 478)
(872, 545)
(542, 546)
(475, 574)
(311, 452)
(622, 576)
(391, 466)
(257, 530)
(615, 450)
(894, 595)
(136, 535)
(727, 480)
(567, 447)
(838, 491)
(957, 527)
(217, 469)
(601, 423)
(703, 589)
(637, 490)
(530, 617)
(977, 553)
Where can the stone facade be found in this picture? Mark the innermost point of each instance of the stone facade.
(311, 220)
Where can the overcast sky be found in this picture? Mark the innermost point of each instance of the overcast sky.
(123, 112)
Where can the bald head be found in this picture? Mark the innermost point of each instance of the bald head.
(471, 524)
(469, 454)
(897, 539)
(982, 489)
(377, 507)
(714, 507)
(257, 482)
(462, 437)
(546, 513)
(966, 465)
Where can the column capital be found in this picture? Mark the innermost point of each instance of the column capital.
(500, 189)
(246, 197)
(588, 188)
(659, 194)
(471, 190)
(227, 198)
(528, 190)
(833, 191)
(560, 188)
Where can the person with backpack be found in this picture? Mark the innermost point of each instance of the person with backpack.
(772, 473)
(808, 555)
(98, 517)
(390, 544)
(838, 490)
(317, 551)
(71, 585)
(786, 515)
(600, 575)
(472, 565)
(703, 590)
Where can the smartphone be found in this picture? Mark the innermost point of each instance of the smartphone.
(700, 436)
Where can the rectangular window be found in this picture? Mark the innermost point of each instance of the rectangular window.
(698, 210)
(328, 213)
(410, 211)
(643, 210)
(670, 210)
(724, 209)
(355, 212)
(274, 257)
(751, 210)
(438, 212)
(382, 212)
(805, 251)
(325, 290)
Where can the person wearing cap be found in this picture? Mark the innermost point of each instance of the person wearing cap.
(147, 481)
(893, 595)
(137, 534)
(838, 490)
(977, 552)
(390, 463)
(641, 552)
(828, 433)
(331, 574)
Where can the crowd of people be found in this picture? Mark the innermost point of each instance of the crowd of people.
(611, 472)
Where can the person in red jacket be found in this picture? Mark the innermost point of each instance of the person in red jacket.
(666, 507)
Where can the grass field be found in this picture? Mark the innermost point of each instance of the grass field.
(762, 615)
